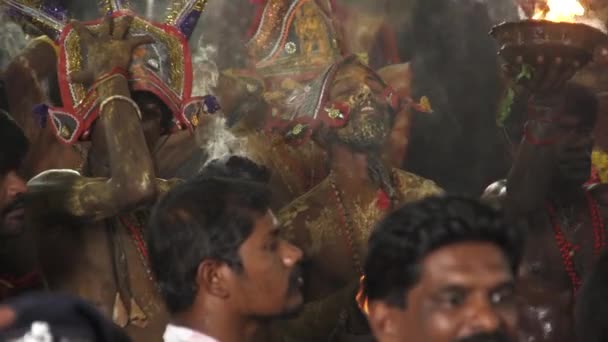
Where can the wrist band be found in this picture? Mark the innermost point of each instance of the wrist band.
(122, 98)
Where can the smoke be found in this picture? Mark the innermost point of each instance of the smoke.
(455, 64)
(593, 22)
(206, 72)
(12, 40)
(224, 25)
(217, 141)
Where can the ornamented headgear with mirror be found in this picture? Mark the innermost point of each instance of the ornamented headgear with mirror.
(294, 39)
(310, 108)
(163, 68)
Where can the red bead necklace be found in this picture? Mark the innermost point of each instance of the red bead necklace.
(568, 249)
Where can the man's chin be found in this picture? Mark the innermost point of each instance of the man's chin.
(293, 307)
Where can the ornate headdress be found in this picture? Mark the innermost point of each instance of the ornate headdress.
(163, 68)
(310, 108)
(295, 38)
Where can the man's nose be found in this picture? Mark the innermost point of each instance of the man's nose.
(365, 93)
(14, 184)
(482, 318)
(291, 254)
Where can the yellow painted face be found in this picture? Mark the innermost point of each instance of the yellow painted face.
(369, 119)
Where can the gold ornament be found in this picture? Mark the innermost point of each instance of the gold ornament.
(65, 132)
(194, 120)
(334, 113)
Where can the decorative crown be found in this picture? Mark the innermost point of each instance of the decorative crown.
(294, 37)
(163, 68)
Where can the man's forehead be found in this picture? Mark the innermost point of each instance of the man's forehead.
(356, 72)
(463, 263)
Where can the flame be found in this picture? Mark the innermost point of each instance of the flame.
(361, 298)
(559, 11)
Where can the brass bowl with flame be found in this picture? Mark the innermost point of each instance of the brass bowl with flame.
(541, 44)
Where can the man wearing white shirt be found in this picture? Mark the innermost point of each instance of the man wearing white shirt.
(222, 266)
(176, 333)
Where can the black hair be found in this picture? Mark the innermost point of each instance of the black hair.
(236, 167)
(13, 142)
(207, 218)
(141, 97)
(405, 237)
(67, 317)
(591, 310)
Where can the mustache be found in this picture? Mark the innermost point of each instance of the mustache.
(294, 279)
(497, 336)
(17, 203)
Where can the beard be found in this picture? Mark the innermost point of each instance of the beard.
(294, 288)
(365, 132)
(497, 336)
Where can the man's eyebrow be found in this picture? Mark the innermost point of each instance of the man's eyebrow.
(275, 231)
(505, 285)
(452, 288)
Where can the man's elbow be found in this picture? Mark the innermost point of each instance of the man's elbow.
(136, 191)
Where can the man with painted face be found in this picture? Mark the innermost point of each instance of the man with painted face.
(12, 186)
(17, 252)
(443, 270)
(548, 188)
(349, 112)
(222, 266)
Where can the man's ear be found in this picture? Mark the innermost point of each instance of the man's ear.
(212, 277)
(383, 320)
(399, 77)
(7, 317)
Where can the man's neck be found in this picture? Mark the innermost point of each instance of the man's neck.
(351, 171)
(219, 324)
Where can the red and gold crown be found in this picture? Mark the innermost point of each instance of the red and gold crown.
(294, 39)
(163, 68)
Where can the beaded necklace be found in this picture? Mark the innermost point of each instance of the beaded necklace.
(383, 202)
(568, 249)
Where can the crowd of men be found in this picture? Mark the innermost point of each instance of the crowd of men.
(442, 269)
(225, 271)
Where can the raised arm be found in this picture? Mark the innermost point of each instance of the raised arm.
(132, 179)
(532, 172)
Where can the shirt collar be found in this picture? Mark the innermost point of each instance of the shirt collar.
(174, 333)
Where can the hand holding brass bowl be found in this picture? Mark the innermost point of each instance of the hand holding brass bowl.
(554, 51)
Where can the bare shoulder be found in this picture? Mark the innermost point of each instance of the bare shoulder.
(301, 207)
(295, 216)
(414, 187)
